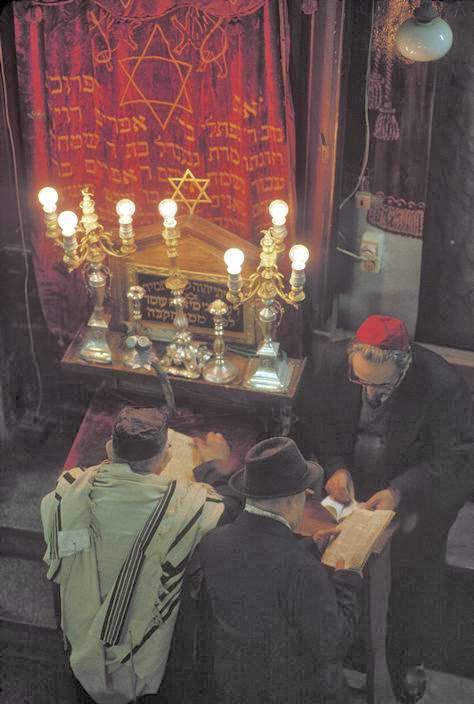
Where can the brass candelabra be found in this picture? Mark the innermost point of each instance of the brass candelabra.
(269, 370)
(87, 243)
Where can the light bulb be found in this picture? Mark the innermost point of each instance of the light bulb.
(234, 258)
(299, 255)
(67, 221)
(125, 209)
(168, 208)
(48, 197)
(278, 210)
(424, 41)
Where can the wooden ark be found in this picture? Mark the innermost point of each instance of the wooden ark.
(201, 257)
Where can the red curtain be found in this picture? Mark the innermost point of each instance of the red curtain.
(120, 95)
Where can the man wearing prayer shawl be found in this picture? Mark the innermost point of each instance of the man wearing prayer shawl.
(119, 536)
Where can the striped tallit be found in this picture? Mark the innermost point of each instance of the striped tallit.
(120, 644)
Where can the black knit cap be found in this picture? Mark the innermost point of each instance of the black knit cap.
(275, 468)
(139, 433)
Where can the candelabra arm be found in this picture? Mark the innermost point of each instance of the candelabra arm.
(99, 237)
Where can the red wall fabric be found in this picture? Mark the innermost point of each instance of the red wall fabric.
(120, 96)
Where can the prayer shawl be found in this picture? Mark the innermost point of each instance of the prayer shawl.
(119, 647)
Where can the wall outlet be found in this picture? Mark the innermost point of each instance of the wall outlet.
(363, 200)
(371, 248)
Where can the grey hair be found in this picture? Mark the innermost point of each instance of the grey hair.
(376, 355)
(266, 504)
(274, 504)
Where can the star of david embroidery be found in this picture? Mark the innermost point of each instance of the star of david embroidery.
(199, 184)
(150, 70)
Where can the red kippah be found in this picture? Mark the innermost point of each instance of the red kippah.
(384, 332)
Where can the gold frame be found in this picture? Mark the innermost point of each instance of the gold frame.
(165, 331)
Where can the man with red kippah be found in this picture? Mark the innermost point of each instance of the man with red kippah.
(392, 422)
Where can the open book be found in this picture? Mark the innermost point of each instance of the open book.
(184, 457)
(359, 534)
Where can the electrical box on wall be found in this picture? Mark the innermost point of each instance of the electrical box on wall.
(371, 249)
(363, 200)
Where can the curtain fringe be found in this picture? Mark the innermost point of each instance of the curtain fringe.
(404, 221)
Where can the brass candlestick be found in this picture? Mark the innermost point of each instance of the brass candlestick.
(135, 295)
(88, 244)
(219, 370)
(268, 370)
(136, 341)
(183, 357)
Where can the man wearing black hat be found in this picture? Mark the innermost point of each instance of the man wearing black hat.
(119, 536)
(276, 622)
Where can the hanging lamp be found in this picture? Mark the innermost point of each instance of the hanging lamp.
(425, 36)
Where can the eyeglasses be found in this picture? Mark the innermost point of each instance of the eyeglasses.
(383, 387)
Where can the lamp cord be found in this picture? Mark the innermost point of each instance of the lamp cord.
(23, 239)
(366, 112)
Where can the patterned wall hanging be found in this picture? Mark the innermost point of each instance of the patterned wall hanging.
(400, 100)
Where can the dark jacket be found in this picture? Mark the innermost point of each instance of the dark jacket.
(429, 434)
(278, 623)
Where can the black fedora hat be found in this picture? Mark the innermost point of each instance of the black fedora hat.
(274, 468)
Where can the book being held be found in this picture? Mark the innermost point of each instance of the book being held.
(359, 531)
(359, 534)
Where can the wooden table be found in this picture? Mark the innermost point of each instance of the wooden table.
(272, 410)
(375, 598)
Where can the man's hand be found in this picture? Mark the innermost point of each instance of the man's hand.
(323, 537)
(387, 499)
(215, 447)
(340, 486)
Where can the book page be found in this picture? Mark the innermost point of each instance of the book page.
(184, 457)
(359, 533)
(338, 510)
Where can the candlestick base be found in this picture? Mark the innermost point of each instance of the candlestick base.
(94, 347)
(219, 371)
(267, 371)
(185, 357)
